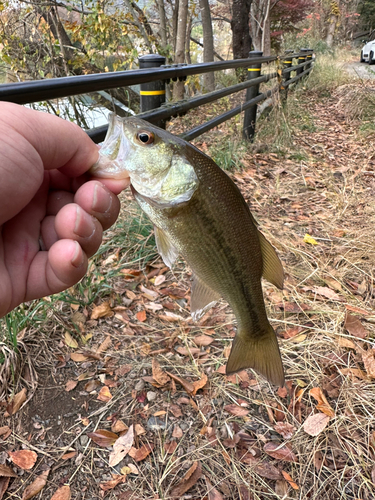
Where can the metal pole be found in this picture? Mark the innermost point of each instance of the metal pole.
(287, 63)
(308, 57)
(152, 93)
(251, 114)
(301, 59)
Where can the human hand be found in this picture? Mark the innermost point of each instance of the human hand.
(51, 215)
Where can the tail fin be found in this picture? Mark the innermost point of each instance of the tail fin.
(260, 353)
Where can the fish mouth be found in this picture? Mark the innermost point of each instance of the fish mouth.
(105, 168)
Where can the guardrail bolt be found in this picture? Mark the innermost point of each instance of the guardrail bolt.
(253, 71)
(152, 93)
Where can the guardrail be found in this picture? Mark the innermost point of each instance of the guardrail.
(153, 76)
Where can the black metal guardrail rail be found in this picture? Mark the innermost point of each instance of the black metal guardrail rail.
(153, 77)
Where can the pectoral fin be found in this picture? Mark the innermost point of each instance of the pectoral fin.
(272, 267)
(260, 352)
(202, 298)
(167, 251)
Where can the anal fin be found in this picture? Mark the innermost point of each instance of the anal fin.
(202, 298)
(167, 251)
(272, 267)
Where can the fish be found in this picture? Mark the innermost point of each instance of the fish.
(199, 213)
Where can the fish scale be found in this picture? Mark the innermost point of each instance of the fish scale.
(199, 213)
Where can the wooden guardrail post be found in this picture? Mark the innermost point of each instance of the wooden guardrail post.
(253, 71)
(152, 93)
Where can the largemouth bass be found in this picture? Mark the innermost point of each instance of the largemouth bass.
(199, 213)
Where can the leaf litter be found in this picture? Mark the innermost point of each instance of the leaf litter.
(137, 359)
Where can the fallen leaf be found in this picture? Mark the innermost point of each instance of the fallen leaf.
(203, 340)
(267, 470)
(102, 437)
(191, 351)
(121, 447)
(177, 432)
(109, 485)
(70, 385)
(212, 493)
(36, 486)
(62, 493)
(6, 471)
(282, 392)
(323, 404)
(354, 326)
(344, 342)
(309, 239)
(159, 280)
(292, 483)
(291, 332)
(357, 310)
(149, 294)
(92, 385)
(354, 372)
(139, 430)
(104, 394)
(4, 483)
(70, 341)
(102, 311)
(175, 410)
(24, 459)
(119, 426)
(237, 411)
(170, 447)
(279, 451)
(142, 452)
(315, 424)
(141, 316)
(17, 401)
(285, 429)
(188, 481)
(281, 488)
(77, 357)
(104, 345)
(369, 362)
(326, 292)
(199, 384)
(5, 431)
(318, 460)
(131, 469)
(188, 386)
(159, 375)
(69, 455)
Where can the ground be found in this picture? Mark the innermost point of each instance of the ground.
(120, 353)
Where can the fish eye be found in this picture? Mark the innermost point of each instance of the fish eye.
(145, 137)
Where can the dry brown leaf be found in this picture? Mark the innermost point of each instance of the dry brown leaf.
(70, 341)
(119, 426)
(69, 455)
(354, 326)
(121, 447)
(70, 385)
(78, 357)
(16, 403)
(326, 292)
(188, 481)
(159, 280)
(188, 386)
(212, 493)
(315, 424)
(170, 447)
(142, 452)
(292, 332)
(104, 394)
(5, 432)
(139, 430)
(285, 429)
(191, 351)
(267, 470)
(109, 485)
(141, 316)
(237, 411)
(92, 385)
(62, 493)
(323, 404)
(282, 392)
(199, 384)
(102, 437)
(354, 372)
(292, 483)
(203, 340)
(104, 345)
(281, 488)
(6, 471)
(36, 486)
(159, 375)
(175, 410)
(279, 451)
(318, 460)
(4, 483)
(344, 342)
(368, 358)
(102, 311)
(177, 432)
(24, 459)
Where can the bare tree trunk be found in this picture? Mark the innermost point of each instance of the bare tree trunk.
(266, 35)
(175, 23)
(163, 23)
(208, 43)
(187, 40)
(139, 25)
(240, 32)
(332, 23)
(178, 88)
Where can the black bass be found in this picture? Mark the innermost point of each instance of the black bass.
(200, 214)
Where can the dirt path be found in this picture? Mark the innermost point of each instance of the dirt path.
(197, 433)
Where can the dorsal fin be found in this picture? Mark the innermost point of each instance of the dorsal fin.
(272, 267)
(202, 298)
(167, 251)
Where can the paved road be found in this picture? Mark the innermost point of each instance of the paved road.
(362, 70)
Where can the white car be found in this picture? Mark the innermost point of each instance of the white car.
(368, 50)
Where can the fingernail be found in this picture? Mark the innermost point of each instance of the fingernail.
(84, 226)
(77, 259)
(102, 201)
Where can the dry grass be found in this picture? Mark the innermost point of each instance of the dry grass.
(311, 172)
